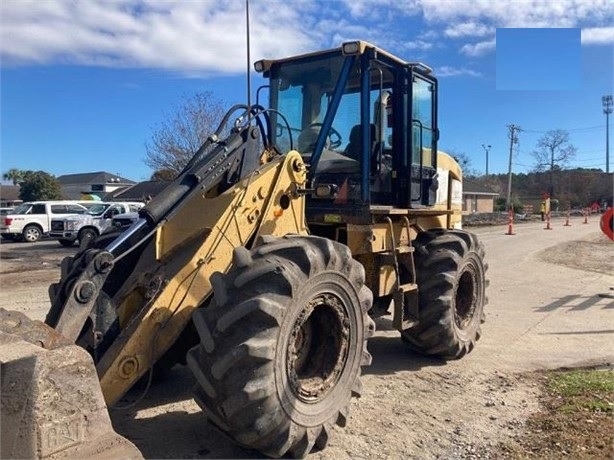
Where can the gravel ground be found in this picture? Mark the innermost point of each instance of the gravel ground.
(545, 312)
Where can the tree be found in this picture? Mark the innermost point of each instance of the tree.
(14, 175)
(163, 175)
(464, 162)
(554, 150)
(39, 185)
(176, 139)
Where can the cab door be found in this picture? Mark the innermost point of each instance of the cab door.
(423, 135)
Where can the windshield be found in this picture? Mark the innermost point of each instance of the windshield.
(97, 209)
(302, 91)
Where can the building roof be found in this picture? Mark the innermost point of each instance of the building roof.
(100, 177)
(474, 188)
(142, 191)
(9, 193)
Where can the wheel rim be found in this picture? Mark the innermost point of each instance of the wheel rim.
(466, 298)
(318, 348)
(32, 234)
(87, 235)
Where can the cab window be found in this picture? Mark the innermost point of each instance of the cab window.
(38, 209)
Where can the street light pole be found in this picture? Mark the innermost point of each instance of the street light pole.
(486, 149)
(607, 102)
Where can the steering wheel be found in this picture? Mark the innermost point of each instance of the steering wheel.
(334, 136)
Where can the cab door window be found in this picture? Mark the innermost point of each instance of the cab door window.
(423, 151)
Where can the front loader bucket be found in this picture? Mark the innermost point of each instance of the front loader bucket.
(51, 404)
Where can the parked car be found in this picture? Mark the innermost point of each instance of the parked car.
(95, 221)
(31, 220)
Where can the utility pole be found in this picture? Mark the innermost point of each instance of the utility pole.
(607, 102)
(486, 149)
(513, 140)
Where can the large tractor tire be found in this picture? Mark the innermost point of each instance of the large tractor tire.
(451, 277)
(282, 344)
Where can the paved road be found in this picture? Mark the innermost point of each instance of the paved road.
(542, 315)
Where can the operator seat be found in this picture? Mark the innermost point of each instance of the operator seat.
(354, 147)
(307, 139)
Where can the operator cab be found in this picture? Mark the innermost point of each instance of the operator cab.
(365, 123)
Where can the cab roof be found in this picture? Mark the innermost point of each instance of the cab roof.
(357, 47)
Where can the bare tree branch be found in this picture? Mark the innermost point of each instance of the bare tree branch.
(176, 139)
(554, 151)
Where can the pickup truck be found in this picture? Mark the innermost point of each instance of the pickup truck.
(31, 220)
(95, 221)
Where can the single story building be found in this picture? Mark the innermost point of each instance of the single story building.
(477, 198)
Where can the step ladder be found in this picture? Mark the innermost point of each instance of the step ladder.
(405, 295)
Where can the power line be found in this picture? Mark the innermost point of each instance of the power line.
(587, 128)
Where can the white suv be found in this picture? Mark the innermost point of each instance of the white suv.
(29, 221)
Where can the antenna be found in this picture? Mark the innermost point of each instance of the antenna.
(249, 82)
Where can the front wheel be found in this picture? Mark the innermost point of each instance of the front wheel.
(282, 344)
(451, 277)
(86, 235)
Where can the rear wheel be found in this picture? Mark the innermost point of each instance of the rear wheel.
(282, 344)
(451, 282)
(31, 233)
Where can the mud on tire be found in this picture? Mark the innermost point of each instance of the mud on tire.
(282, 344)
(451, 277)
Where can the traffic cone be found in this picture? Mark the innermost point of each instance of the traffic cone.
(510, 222)
(567, 224)
(547, 227)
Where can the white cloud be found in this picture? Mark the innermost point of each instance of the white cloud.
(208, 36)
(478, 49)
(371, 8)
(447, 71)
(478, 18)
(521, 13)
(471, 29)
(190, 36)
(418, 45)
(598, 35)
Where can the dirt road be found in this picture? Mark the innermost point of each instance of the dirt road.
(545, 311)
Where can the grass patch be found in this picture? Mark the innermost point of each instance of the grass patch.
(591, 389)
(576, 419)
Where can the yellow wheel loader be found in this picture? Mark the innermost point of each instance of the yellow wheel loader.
(261, 266)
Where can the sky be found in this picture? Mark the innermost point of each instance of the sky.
(84, 84)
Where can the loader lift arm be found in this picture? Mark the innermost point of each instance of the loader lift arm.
(113, 299)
